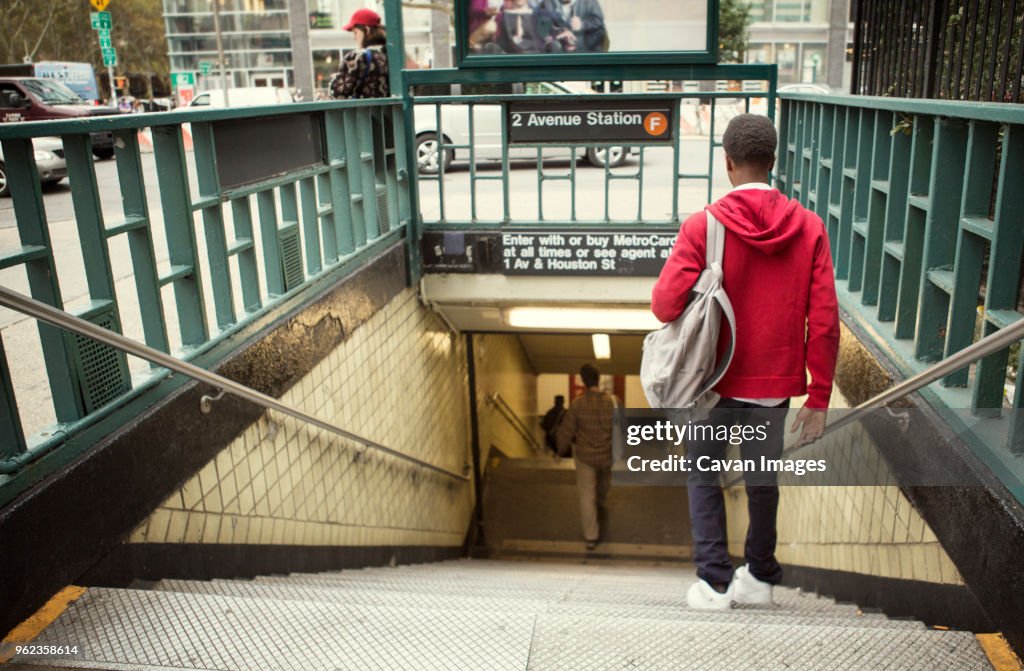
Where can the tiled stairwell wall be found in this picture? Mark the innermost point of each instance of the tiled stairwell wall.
(503, 367)
(399, 379)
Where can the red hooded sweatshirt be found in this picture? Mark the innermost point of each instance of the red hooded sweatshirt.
(777, 271)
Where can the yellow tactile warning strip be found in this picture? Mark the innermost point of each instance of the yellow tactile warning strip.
(27, 631)
(999, 652)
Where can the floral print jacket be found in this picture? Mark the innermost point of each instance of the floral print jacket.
(363, 74)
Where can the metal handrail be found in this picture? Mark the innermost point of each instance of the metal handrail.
(512, 418)
(990, 344)
(46, 313)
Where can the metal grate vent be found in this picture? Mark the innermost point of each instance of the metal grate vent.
(291, 257)
(383, 218)
(103, 370)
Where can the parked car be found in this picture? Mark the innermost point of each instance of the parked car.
(487, 136)
(247, 96)
(805, 88)
(50, 163)
(34, 99)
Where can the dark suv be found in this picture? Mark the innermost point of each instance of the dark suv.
(34, 99)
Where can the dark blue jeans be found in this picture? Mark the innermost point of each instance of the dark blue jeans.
(707, 505)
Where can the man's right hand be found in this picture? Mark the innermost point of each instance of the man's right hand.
(813, 422)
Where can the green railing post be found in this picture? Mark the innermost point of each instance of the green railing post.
(914, 226)
(878, 194)
(354, 172)
(942, 222)
(213, 223)
(854, 157)
(341, 200)
(368, 174)
(172, 178)
(895, 211)
(244, 250)
(12, 436)
(1004, 269)
(310, 225)
(41, 270)
(971, 243)
(273, 265)
(140, 238)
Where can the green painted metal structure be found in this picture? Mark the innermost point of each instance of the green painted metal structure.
(263, 245)
(923, 202)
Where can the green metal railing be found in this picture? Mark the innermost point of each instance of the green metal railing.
(434, 115)
(634, 175)
(270, 232)
(923, 202)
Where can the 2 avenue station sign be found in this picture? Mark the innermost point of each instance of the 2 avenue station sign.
(590, 121)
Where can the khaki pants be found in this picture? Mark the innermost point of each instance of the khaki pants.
(592, 484)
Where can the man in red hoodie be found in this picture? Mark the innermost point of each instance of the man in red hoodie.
(777, 271)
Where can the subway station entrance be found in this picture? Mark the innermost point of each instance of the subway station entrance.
(272, 383)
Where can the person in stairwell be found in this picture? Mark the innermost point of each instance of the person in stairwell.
(586, 427)
(777, 271)
(549, 424)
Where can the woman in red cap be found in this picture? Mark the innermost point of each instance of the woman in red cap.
(364, 70)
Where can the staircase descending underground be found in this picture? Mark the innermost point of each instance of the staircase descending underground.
(486, 615)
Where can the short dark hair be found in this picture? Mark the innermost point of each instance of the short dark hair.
(559, 400)
(750, 139)
(591, 376)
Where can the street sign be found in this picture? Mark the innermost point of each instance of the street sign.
(100, 5)
(205, 67)
(183, 79)
(105, 43)
(100, 20)
(590, 121)
(110, 61)
(104, 33)
(109, 52)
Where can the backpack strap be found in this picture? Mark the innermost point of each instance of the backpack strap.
(715, 245)
(715, 250)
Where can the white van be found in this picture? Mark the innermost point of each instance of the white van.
(248, 96)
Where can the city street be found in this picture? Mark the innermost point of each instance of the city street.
(590, 188)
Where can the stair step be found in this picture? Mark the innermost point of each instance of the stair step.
(435, 600)
(154, 629)
(571, 643)
(658, 594)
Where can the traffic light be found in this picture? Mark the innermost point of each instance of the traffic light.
(121, 83)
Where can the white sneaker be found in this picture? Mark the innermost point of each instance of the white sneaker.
(703, 596)
(746, 588)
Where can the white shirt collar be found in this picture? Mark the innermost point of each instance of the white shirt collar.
(753, 185)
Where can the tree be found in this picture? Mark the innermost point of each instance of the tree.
(58, 30)
(733, 23)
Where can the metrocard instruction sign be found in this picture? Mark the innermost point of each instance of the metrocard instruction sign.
(590, 121)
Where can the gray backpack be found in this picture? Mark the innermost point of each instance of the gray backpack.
(678, 368)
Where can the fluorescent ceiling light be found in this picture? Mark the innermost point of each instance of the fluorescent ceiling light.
(602, 346)
(583, 319)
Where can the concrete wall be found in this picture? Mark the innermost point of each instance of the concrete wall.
(398, 379)
(502, 367)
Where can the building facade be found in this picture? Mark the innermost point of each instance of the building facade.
(256, 37)
(810, 40)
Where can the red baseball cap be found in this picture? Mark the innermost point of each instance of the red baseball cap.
(363, 17)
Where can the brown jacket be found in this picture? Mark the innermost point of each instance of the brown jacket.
(587, 426)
